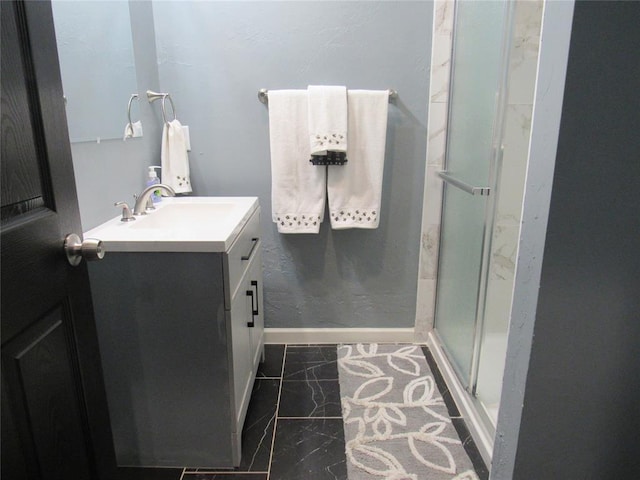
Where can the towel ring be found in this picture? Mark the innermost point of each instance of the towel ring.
(134, 96)
(153, 96)
(164, 111)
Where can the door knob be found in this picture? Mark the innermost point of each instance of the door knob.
(76, 249)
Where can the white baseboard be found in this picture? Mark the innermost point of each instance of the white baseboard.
(338, 335)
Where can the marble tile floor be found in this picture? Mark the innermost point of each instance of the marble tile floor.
(293, 428)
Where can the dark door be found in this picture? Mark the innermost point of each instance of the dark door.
(55, 423)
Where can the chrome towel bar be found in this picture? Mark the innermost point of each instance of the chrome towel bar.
(263, 95)
(463, 185)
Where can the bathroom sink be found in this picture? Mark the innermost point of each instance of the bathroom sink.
(182, 224)
(183, 216)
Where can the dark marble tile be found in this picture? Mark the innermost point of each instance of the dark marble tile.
(471, 448)
(272, 365)
(311, 398)
(315, 363)
(224, 476)
(257, 434)
(452, 408)
(309, 449)
(139, 473)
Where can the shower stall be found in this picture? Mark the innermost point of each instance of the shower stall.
(492, 62)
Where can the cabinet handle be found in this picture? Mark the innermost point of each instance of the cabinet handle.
(251, 324)
(254, 283)
(253, 247)
(254, 309)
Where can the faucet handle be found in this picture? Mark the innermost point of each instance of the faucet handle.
(126, 212)
(150, 206)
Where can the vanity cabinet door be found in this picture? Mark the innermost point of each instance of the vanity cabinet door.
(257, 330)
(243, 374)
(247, 327)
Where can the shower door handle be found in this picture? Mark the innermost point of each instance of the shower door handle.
(473, 190)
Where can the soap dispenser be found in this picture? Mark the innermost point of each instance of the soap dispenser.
(152, 179)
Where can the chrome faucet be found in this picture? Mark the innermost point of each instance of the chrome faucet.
(144, 199)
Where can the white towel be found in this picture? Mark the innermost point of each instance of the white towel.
(298, 189)
(133, 130)
(327, 119)
(355, 189)
(187, 137)
(175, 161)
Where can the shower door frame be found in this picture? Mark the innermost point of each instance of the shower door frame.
(495, 165)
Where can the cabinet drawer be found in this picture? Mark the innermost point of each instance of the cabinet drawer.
(237, 259)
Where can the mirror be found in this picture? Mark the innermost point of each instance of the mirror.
(97, 65)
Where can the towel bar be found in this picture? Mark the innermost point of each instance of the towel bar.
(263, 95)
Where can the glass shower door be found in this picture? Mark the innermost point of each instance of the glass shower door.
(477, 73)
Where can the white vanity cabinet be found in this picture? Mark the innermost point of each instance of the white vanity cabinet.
(181, 338)
(243, 300)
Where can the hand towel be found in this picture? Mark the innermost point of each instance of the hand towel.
(187, 137)
(355, 190)
(298, 189)
(133, 130)
(175, 161)
(327, 123)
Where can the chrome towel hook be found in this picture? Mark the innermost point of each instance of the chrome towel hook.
(153, 96)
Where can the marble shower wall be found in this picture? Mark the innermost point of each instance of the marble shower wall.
(521, 86)
(436, 145)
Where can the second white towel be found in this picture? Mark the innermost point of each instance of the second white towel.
(355, 189)
(327, 119)
(175, 160)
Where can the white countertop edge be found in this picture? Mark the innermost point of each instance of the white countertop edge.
(176, 245)
(168, 246)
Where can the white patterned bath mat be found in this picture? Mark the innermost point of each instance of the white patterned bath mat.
(395, 421)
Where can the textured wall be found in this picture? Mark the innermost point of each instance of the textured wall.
(552, 66)
(214, 56)
(580, 416)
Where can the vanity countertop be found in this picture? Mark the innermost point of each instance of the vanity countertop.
(179, 224)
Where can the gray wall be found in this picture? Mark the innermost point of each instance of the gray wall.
(552, 66)
(581, 417)
(113, 170)
(214, 56)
